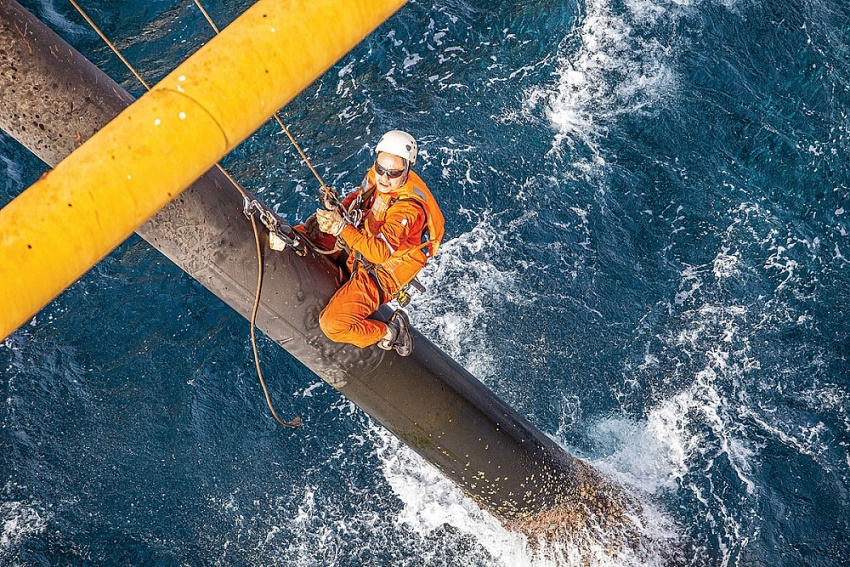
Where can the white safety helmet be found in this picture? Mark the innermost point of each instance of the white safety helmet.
(399, 144)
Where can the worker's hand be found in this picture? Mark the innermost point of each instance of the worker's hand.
(330, 222)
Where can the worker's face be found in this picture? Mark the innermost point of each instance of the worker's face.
(387, 166)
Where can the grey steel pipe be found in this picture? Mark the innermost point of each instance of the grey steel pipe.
(53, 99)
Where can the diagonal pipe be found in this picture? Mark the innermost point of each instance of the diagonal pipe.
(54, 99)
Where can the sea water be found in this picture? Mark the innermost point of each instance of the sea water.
(646, 255)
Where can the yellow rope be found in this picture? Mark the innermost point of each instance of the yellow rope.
(297, 421)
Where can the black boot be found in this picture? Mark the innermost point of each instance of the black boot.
(401, 340)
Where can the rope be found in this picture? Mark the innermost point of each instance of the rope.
(297, 420)
(109, 43)
(283, 127)
(276, 117)
(207, 16)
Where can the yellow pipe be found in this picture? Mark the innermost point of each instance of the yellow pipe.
(72, 217)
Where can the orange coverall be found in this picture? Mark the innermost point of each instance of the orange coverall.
(390, 239)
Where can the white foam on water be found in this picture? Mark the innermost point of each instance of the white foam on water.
(692, 439)
(658, 456)
(614, 64)
(14, 171)
(461, 281)
(647, 455)
(726, 265)
(317, 542)
(606, 70)
(55, 17)
(431, 501)
(815, 439)
(306, 523)
(21, 521)
(714, 333)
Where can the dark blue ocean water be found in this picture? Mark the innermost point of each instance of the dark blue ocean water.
(647, 255)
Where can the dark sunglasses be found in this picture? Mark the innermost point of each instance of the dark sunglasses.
(391, 173)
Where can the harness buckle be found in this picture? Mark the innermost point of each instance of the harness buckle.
(403, 298)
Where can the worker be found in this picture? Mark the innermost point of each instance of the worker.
(391, 225)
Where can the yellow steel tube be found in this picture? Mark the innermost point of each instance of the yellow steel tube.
(72, 217)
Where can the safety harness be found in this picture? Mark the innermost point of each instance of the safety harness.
(431, 237)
